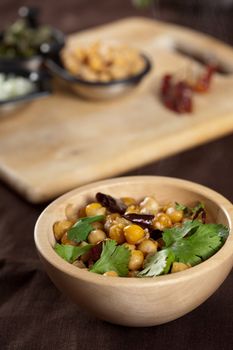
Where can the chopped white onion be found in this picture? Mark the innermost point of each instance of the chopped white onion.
(14, 86)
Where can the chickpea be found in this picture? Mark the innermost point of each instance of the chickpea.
(111, 274)
(162, 221)
(176, 216)
(129, 246)
(97, 225)
(136, 260)
(96, 63)
(169, 210)
(132, 209)
(147, 246)
(79, 263)
(132, 273)
(105, 77)
(71, 213)
(94, 209)
(128, 201)
(102, 62)
(65, 240)
(60, 227)
(116, 232)
(122, 221)
(82, 212)
(110, 220)
(86, 256)
(149, 206)
(179, 266)
(96, 236)
(134, 234)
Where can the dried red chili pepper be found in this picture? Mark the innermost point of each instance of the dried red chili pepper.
(110, 203)
(166, 85)
(144, 220)
(203, 82)
(183, 97)
(177, 97)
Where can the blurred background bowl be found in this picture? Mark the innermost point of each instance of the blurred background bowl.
(35, 62)
(97, 90)
(25, 42)
(138, 301)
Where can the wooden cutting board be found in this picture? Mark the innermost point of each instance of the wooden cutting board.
(53, 145)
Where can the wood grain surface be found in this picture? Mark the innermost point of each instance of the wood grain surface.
(61, 142)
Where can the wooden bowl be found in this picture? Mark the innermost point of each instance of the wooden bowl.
(138, 301)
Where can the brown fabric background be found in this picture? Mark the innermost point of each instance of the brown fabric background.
(33, 313)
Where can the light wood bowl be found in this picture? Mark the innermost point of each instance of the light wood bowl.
(138, 301)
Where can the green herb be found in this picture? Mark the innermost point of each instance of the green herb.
(191, 244)
(199, 246)
(199, 207)
(81, 229)
(191, 212)
(179, 206)
(69, 252)
(113, 258)
(171, 235)
(157, 264)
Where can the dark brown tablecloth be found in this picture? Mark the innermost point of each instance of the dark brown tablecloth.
(33, 313)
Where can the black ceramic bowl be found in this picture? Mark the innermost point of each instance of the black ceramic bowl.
(41, 80)
(97, 90)
(34, 62)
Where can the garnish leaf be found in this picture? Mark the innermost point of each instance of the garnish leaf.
(113, 258)
(179, 206)
(191, 243)
(223, 231)
(197, 208)
(171, 235)
(158, 263)
(197, 211)
(81, 229)
(199, 246)
(69, 252)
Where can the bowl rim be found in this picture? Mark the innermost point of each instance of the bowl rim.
(45, 249)
(61, 72)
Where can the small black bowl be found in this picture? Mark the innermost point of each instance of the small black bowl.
(41, 80)
(97, 90)
(34, 62)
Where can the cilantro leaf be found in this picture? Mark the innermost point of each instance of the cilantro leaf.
(113, 258)
(171, 235)
(179, 206)
(192, 212)
(199, 246)
(197, 208)
(158, 263)
(191, 243)
(69, 252)
(81, 229)
(223, 231)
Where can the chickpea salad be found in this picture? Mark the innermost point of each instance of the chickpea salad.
(128, 238)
